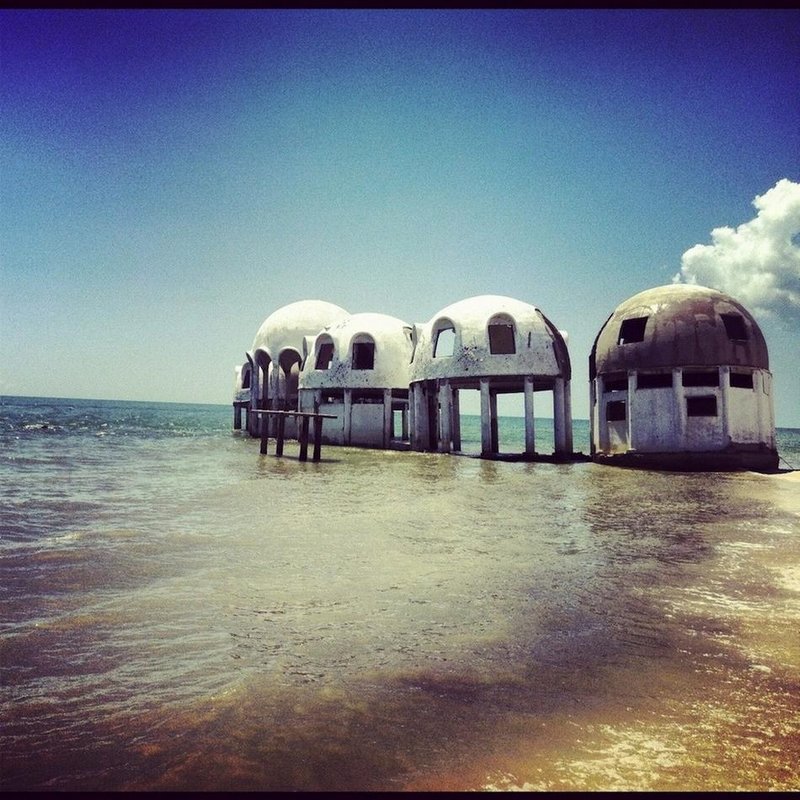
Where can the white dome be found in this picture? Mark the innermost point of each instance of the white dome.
(524, 341)
(287, 327)
(389, 359)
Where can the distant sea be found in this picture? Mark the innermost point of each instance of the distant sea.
(182, 613)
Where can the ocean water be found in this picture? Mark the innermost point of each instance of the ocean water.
(182, 613)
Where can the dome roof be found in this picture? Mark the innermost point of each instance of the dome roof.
(390, 358)
(286, 327)
(524, 341)
(678, 325)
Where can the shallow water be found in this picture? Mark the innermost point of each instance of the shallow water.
(180, 612)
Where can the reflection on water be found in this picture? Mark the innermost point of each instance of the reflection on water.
(404, 621)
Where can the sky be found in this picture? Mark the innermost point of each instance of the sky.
(169, 178)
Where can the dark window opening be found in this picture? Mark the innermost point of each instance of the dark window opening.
(735, 327)
(704, 378)
(615, 382)
(324, 355)
(501, 338)
(365, 396)
(445, 343)
(364, 355)
(653, 380)
(742, 380)
(705, 406)
(632, 330)
(615, 411)
(246, 380)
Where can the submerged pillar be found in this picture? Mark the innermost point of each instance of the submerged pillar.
(559, 418)
(387, 418)
(530, 429)
(445, 417)
(489, 437)
(455, 421)
(348, 406)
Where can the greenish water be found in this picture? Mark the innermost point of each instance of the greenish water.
(182, 613)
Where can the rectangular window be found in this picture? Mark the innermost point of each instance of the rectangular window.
(632, 330)
(501, 339)
(705, 406)
(615, 411)
(324, 356)
(364, 355)
(653, 380)
(615, 382)
(698, 378)
(735, 327)
(742, 380)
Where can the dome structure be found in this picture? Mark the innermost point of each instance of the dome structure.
(357, 371)
(361, 351)
(488, 335)
(498, 345)
(679, 378)
(675, 326)
(286, 328)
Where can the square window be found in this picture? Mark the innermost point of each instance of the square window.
(632, 330)
(705, 406)
(735, 327)
(653, 380)
(742, 380)
(701, 378)
(615, 411)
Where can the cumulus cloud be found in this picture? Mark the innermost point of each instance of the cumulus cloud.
(758, 263)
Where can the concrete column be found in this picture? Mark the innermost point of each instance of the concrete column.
(404, 420)
(495, 431)
(486, 420)
(559, 418)
(593, 417)
(445, 415)
(631, 409)
(317, 400)
(387, 418)
(455, 421)
(725, 399)
(421, 435)
(568, 414)
(348, 405)
(680, 406)
(530, 428)
(412, 394)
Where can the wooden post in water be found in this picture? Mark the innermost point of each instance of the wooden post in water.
(317, 438)
(304, 438)
(279, 434)
(264, 433)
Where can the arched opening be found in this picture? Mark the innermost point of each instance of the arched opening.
(363, 351)
(502, 335)
(444, 338)
(324, 352)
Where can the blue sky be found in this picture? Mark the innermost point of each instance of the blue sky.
(170, 178)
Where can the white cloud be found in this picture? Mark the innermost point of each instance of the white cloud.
(758, 263)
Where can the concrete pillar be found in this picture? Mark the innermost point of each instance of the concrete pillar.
(445, 416)
(724, 402)
(387, 418)
(593, 417)
(680, 407)
(568, 414)
(348, 406)
(559, 418)
(631, 409)
(404, 421)
(530, 428)
(237, 417)
(421, 433)
(490, 443)
(412, 393)
(455, 421)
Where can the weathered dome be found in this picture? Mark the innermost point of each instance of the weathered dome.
(488, 335)
(361, 351)
(678, 325)
(286, 327)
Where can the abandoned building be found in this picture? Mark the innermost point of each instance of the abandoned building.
(496, 345)
(679, 378)
(357, 369)
(270, 376)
